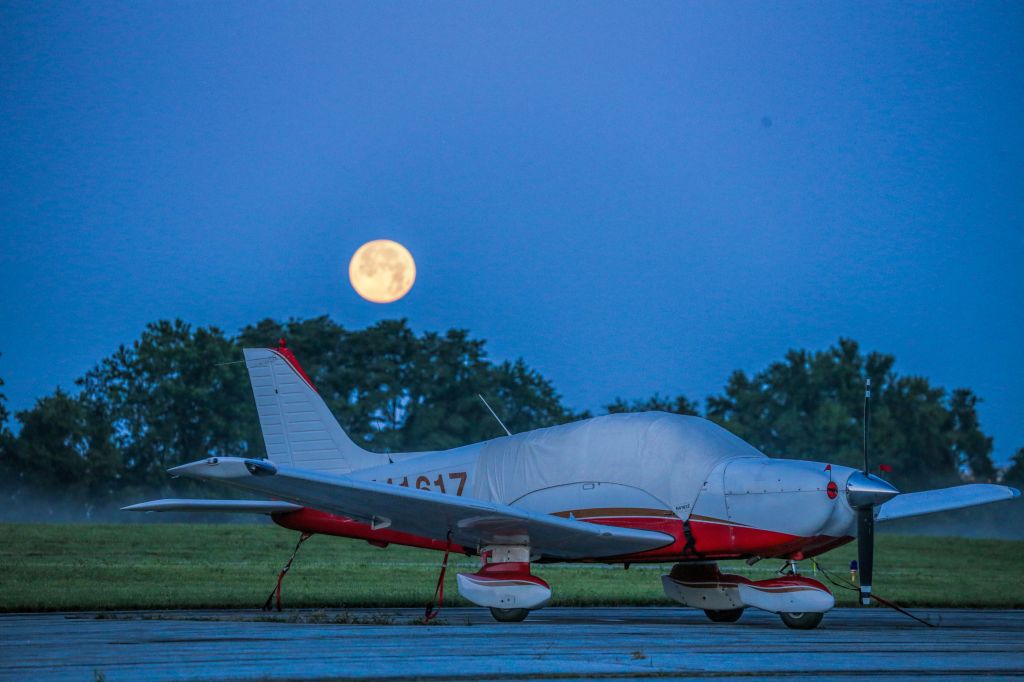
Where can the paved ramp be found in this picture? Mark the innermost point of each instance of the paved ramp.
(554, 643)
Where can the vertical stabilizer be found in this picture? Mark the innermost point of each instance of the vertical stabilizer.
(298, 427)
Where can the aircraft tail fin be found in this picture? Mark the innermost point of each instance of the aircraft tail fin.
(298, 427)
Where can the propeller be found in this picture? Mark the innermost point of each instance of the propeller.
(864, 492)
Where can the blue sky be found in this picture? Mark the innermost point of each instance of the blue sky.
(633, 197)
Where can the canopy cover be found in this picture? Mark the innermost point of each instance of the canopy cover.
(667, 455)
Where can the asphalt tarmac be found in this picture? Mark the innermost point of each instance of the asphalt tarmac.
(557, 643)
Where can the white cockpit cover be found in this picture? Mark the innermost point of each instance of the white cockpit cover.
(667, 455)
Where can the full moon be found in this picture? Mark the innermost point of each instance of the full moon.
(382, 271)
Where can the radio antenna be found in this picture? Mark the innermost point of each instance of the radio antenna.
(493, 413)
(867, 418)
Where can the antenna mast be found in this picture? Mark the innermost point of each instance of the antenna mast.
(493, 413)
(867, 413)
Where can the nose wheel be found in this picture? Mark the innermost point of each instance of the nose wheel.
(801, 621)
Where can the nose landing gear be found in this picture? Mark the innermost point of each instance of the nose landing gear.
(799, 601)
(801, 621)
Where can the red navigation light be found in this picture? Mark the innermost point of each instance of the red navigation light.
(832, 490)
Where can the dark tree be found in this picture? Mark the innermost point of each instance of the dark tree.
(4, 414)
(393, 390)
(1015, 473)
(973, 447)
(679, 405)
(7, 470)
(171, 398)
(810, 406)
(65, 446)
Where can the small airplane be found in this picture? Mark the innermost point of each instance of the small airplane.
(617, 489)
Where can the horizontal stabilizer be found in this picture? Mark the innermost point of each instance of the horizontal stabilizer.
(944, 499)
(428, 514)
(225, 506)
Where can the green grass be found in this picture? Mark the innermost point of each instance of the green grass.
(146, 566)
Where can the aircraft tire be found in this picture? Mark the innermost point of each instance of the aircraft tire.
(801, 621)
(509, 615)
(724, 616)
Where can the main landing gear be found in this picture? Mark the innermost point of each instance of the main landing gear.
(505, 585)
(509, 615)
(724, 616)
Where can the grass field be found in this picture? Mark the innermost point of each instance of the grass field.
(146, 566)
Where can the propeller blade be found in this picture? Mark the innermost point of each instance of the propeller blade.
(865, 551)
(864, 492)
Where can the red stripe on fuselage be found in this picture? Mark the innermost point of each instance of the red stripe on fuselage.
(713, 540)
(720, 539)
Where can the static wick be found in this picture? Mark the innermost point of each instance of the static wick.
(493, 413)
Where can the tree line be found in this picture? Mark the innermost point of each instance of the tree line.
(180, 393)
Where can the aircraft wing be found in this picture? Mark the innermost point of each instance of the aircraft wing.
(944, 499)
(226, 506)
(429, 514)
